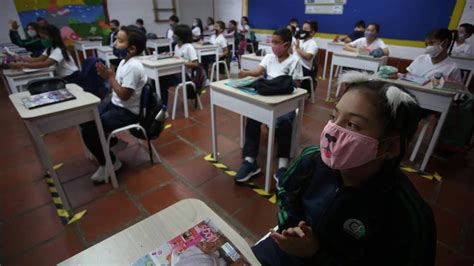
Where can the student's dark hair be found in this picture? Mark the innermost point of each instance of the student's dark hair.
(312, 24)
(41, 19)
(443, 35)
(174, 18)
(292, 28)
(233, 22)
(199, 25)
(184, 33)
(360, 23)
(211, 21)
(246, 19)
(115, 22)
(54, 35)
(376, 26)
(397, 108)
(221, 24)
(140, 21)
(135, 37)
(34, 25)
(285, 34)
(469, 29)
(293, 20)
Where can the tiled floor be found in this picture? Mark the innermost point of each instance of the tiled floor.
(31, 232)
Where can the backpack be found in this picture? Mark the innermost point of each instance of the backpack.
(90, 81)
(277, 86)
(198, 76)
(38, 86)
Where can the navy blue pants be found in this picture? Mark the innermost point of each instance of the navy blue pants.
(112, 117)
(283, 132)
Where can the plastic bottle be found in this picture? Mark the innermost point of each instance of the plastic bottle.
(234, 68)
(437, 81)
(161, 116)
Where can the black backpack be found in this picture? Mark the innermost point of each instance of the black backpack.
(38, 86)
(151, 115)
(280, 85)
(198, 76)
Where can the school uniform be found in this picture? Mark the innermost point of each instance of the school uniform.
(221, 43)
(308, 46)
(117, 113)
(361, 43)
(247, 33)
(384, 221)
(273, 68)
(65, 69)
(112, 37)
(357, 34)
(423, 66)
(188, 53)
(196, 33)
(33, 45)
(464, 48)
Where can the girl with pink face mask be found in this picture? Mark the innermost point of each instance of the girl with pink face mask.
(346, 202)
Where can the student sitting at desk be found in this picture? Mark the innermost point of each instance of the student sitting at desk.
(173, 21)
(219, 40)
(123, 108)
(32, 43)
(56, 53)
(210, 24)
(306, 49)
(197, 30)
(280, 62)
(436, 58)
(114, 27)
(460, 46)
(347, 202)
(371, 42)
(295, 23)
(359, 30)
(140, 24)
(183, 38)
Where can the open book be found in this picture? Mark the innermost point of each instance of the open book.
(47, 98)
(203, 244)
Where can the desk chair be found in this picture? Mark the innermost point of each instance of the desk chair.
(214, 67)
(311, 78)
(185, 98)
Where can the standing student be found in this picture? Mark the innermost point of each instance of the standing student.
(349, 203)
(359, 30)
(197, 30)
(436, 58)
(295, 23)
(460, 46)
(32, 43)
(219, 40)
(140, 24)
(244, 28)
(114, 27)
(280, 62)
(306, 49)
(123, 108)
(183, 38)
(371, 42)
(55, 53)
(210, 24)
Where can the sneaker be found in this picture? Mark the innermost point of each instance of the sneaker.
(101, 174)
(247, 171)
(119, 146)
(279, 174)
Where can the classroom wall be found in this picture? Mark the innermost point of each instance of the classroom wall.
(468, 17)
(7, 13)
(191, 9)
(226, 10)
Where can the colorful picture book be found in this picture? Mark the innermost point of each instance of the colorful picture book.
(203, 244)
(47, 98)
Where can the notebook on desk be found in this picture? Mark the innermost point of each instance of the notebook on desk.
(47, 98)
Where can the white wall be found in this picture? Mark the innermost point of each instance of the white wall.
(468, 17)
(226, 10)
(190, 9)
(7, 13)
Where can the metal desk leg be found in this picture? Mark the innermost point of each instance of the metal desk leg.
(185, 94)
(214, 130)
(108, 161)
(243, 124)
(328, 97)
(271, 140)
(434, 139)
(217, 61)
(325, 63)
(297, 124)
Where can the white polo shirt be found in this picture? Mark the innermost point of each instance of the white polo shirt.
(130, 74)
(274, 68)
(220, 41)
(64, 68)
(362, 43)
(309, 46)
(423, 66)
(464, 48)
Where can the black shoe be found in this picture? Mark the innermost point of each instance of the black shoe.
(247, 171)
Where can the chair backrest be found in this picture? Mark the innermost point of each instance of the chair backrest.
(38, 86)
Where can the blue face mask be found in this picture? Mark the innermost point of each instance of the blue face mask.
(120, 53)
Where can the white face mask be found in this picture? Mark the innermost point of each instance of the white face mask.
(32, 33)
(461, 36)
(433, 50)
(195, 24)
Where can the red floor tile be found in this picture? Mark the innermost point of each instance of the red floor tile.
(144, 178)
(448, 257)
(469, 246)
(454, 196)
(82, 190)
(195, 133)
(21, 174)
(448, 226)
(24, 232)
(180, 123)
(177, 152)
(258, 216)
(224, 145)
(166, 137)
(424, 186)
(17, 157)
(76, 167)
(107, 215)
(17, 201)
(165, 196)
(198, 170)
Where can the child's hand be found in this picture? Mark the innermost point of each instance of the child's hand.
(297, 45)
(15, 65)
(242, 74)
(13, 25)
(297, 241)
(103, 71)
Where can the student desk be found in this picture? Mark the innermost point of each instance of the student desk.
(231, 42)
(250, 61)
(17, 78)
(155, 44)
(83, 46)
(47, 119)
(265, 109)
(106, 53)
(266, 46)
(331, 47)
(353, 60)
(437, 100)
(465, 62)
(207, 49)
(147, 235)
(156, 68)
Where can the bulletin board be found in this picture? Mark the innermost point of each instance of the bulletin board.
(398, 19)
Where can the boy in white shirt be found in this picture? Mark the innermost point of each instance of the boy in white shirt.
(281, 62)
(173, 21)
(371, 42)
(197, 29)
(183, 38)
(436, 59)
(219, 40)
(460, 46)
(306, 49)
(123, 109)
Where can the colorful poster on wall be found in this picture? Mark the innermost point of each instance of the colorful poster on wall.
(77, 19)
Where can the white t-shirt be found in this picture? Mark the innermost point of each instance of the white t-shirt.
(274, 68)
(309, 46)
(64, 68)
(130, 74)
(362, 43)
(247, 28)
(210, 27)
(464, 48)
(187, 52)
(423, 66)
(196, 32)
(170, 33)
(220, 41)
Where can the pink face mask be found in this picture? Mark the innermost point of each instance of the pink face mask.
(345, 149)
(279, 49)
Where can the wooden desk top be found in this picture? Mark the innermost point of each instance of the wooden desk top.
(82, 99)
(362, 57)
(263, 100)
(253, 57)
(20, 72)
(145, 236)
(151, 61)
